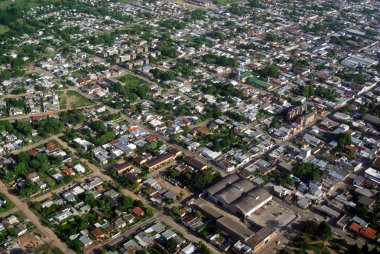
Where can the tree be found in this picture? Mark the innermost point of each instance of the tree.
(203, 248)
(40, 162)
(324, 231)
(198, 214)
(21, 169)
(276, 123)
(24, 128)
(5, 125)
(149, 212)
(307, 172)
(23, 157)
(359, 78)
(50, 126)
(98, 126)
(174, 173)
(171, 245)
(309, 227)
(344, 139)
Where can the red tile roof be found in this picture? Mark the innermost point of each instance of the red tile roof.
(138, 211)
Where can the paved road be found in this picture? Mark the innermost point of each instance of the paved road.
(35, 220)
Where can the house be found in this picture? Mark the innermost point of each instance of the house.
(97, 233)
(79, 169)
(85, 240)
(34, 177)
(170, 195)
(131, 247)
(161, 160)
(189, 249)
(364, 231)
(366, 201)
(168, 234)
(129, 218)
(197, 165)
(262, 238)
(132, 177)
(138, 211)
(122, 168)
(2, 202)
(20, 229)
(51, 147)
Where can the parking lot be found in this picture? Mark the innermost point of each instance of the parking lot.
(273, 214)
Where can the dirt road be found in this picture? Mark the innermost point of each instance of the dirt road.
(23, 207)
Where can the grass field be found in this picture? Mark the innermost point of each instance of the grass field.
(3, 29)
(9, 205)
(26, 3)
(131, 80)
(71, 99)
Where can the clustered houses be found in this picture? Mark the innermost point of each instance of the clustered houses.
(107, 211)
(156, 193)
(156, 236)
(54, 167)
(32, 102)
(14, 226)
(80, 68)
(283, 96)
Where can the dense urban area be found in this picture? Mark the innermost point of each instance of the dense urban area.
(190, 126)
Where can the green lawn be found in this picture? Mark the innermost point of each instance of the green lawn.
(72, 99)
(62, 100)
(3, 29)
(131, 80)
(9, 205)
(77, 100)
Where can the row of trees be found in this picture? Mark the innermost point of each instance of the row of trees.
(219, 60)
(222, 89)
(44, 127)
(311, 90)
(104, 135)
(132, 91)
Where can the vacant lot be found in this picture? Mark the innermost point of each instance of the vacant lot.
(71, 99)
(130, 80)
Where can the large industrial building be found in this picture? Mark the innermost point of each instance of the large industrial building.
(238, 195)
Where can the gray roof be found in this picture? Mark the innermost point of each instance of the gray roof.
(232, 192)
(250, 200)
(235, 228)
(222, 184)
(209, 211)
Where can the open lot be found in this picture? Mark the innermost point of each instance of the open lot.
(71, 99)
(130, 80)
